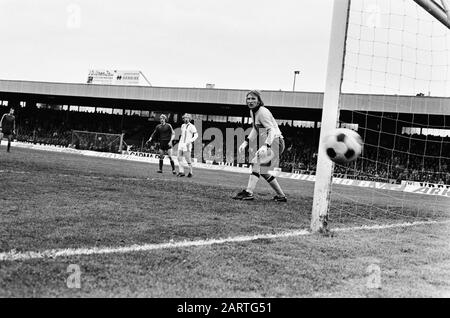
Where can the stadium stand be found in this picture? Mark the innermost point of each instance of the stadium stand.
(54, 127)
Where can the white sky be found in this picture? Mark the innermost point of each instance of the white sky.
(241, 44)
(187, 43)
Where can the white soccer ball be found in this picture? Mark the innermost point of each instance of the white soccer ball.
(343, 145)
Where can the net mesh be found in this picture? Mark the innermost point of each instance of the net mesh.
(87, 140)
(396, 69)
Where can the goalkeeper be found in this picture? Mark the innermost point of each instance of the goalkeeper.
(267, 157)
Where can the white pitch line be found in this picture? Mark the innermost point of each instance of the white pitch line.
(23, 256)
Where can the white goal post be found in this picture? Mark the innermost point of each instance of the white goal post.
(330, 115)
(331, 101)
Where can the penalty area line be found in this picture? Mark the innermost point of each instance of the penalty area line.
(14, 255)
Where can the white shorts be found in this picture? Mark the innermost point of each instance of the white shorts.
(184, 147)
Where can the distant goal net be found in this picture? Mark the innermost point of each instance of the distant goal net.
(388, 79)
(95, 141)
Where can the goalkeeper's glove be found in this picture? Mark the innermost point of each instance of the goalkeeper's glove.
(263, 155)
(243, 146)
(262, 151)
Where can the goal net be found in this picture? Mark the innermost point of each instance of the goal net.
(388, 79)
(104, 142)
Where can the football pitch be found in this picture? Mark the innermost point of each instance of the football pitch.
(134, 233)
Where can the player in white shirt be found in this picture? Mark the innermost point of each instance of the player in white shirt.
(265, 128)
(188, 136)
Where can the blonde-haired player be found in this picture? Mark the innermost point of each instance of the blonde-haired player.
(164, 132)
(266, 128)
(188, 135)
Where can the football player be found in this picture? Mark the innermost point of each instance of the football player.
(265, 128)
(8, 127)
(165, 134)
(188, 136)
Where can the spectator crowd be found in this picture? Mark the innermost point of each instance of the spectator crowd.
(399, 157)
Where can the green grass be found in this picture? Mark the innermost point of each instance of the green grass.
(52, 200)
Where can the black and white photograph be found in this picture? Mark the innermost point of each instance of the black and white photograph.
(225, 154)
